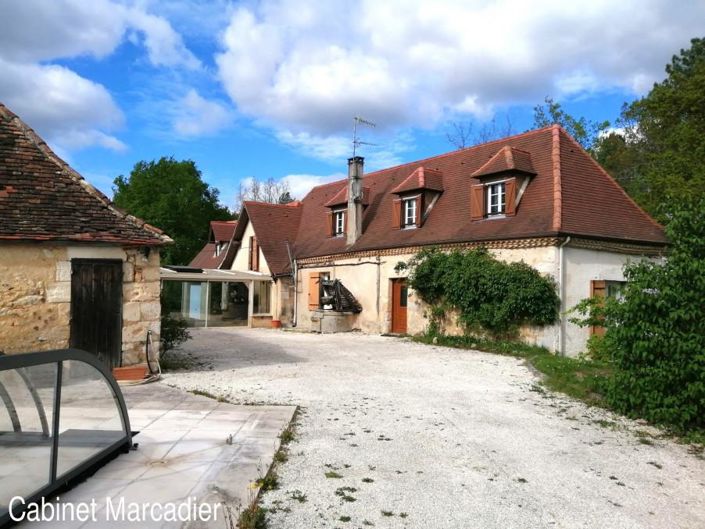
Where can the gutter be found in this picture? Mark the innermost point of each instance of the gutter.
(561, 295)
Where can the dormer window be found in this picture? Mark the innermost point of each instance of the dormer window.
(410, 212)
(339, 223)
(496, 198)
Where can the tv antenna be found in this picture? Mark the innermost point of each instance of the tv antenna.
(357, 120)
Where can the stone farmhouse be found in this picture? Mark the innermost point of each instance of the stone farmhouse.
(537, 197)
(74, 270)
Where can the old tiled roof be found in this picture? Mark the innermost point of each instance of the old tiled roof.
(569, 195)
(221, 232)
(43, 199)
(421, 178)
(507, 159)
(276, 226)
(341, 197)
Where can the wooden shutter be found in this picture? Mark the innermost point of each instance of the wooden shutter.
(598, 289)
(396, 213)
(510, 195)
(345, 221)
(331, 224)
(250, 259)
(419, 210)
(477, 202)
(256, 256)
(314, 290)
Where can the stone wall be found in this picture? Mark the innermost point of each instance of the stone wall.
(35, 297)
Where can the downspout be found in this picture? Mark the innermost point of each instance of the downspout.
(561, 295)
(295, 274)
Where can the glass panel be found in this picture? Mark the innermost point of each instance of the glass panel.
(228, 304)
(261, 301)
(403, 295)
(26, 418)
(90, 418)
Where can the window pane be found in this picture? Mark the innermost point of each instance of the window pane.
(403, 296)
(261, 295)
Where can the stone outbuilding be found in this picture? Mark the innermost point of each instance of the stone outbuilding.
(74, 270)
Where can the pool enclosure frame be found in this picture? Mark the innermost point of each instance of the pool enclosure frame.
(93, 462)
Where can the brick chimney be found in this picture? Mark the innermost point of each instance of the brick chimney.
(354, 221)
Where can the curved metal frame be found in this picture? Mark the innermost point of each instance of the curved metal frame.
(58, 357)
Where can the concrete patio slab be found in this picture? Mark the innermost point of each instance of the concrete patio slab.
(182, 454)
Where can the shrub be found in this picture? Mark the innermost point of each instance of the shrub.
(654, 332)
(496, 296)
(173, 332)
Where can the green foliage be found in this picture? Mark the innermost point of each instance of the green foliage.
(171, 195)
(654, 335)
(487, 293)
(173, 332)
(664, 131)
(586, 133)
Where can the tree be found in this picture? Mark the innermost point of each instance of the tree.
(171, 195)
(460, 133)
(586, 132)
(666, 130)
(271, 191)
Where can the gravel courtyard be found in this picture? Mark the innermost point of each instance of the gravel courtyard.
(397, 434)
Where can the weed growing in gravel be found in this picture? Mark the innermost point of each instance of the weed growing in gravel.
(204, 393)
(299, 496)
(368, 480)
(403, 515)
(332, 474)
(368, 523)
(387, 513)
(345, 493)
(345, 519)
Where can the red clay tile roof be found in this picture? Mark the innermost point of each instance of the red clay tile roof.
(221, 232)
(570, 195)
(507, 159)
(341, 197)
(421, 178)
(276, 226)
(43, 199)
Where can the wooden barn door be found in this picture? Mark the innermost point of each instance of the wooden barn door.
(399, 302)
(96, 308)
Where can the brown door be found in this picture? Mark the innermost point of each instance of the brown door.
(96, 308)
(399, 301)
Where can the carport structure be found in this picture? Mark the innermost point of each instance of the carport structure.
(215, 298)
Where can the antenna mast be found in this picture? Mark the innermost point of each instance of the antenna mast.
(356, 141)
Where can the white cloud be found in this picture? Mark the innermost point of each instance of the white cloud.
(305, 68)
(69, 110)
(36, 30)
(194, 115)
(301, 184)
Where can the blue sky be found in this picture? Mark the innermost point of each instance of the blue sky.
(269, 89)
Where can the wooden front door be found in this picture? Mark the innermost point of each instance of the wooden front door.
(96, 308)
(399, 302)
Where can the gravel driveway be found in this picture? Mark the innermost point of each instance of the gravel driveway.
(398, 434)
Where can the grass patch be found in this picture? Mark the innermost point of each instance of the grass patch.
(204, 393)
(581, 379)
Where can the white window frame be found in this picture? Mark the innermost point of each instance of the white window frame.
(409, 212)
(339, 223)
(496, 197)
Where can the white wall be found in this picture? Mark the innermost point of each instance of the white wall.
(369, 280)
(242, 257)
(581, 267)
